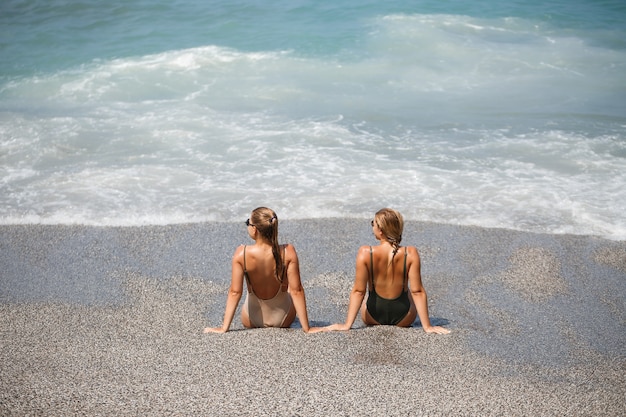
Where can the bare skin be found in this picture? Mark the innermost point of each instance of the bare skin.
(260, 265)
(389, 284)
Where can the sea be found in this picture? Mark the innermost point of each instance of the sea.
(503, 114)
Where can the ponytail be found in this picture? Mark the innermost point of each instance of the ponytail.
(278, 259)
(266, 222)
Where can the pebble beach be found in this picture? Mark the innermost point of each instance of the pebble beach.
(108, 321)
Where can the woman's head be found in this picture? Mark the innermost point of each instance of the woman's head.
(266, 223)
(390, 223)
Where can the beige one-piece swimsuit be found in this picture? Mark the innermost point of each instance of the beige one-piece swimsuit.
(269, 312)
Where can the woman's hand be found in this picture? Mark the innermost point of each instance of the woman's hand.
(337, 327)
(436, 330)
(314, 330)
(214, 330)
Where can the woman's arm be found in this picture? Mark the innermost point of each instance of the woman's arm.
(418, 293)
(234, 293)
(295, 287)
(358, 291)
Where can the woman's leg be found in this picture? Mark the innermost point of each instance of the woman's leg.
(245, 317)
(290, 316)
(365, 315)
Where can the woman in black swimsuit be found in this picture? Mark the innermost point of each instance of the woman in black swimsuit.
(392, 274)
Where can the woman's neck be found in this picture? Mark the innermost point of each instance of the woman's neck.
(385, 242)
(260, 241)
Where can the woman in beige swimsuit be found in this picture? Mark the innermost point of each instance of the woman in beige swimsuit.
(272, 275)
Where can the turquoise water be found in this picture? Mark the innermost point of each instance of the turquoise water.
(497, 114)
(43, 36)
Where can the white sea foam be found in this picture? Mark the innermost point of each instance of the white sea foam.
(449, 119)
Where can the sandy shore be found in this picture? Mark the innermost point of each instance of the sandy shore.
(108, 321)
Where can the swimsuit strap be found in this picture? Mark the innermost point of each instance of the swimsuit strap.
(245, 271)
(372, 266)
(404, 277)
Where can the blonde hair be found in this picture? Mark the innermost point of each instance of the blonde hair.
(266, 222)
(391, 223)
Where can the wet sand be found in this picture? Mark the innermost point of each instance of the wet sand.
(108, 321)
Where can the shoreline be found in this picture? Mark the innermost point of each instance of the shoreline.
(108, 320)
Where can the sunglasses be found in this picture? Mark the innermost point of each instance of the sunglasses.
(248, 223)
(373, 224)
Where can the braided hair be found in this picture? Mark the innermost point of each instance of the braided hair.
(391, 223)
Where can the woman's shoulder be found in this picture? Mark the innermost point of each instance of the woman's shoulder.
(239, 250)
(287, 247)
(412, 252)
(289, 250)
(239, 254)
(364, 251)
